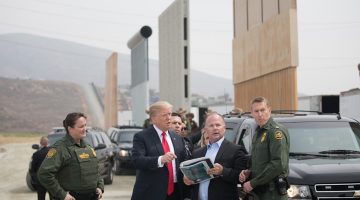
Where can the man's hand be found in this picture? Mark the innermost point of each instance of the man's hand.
(247, 187)
(217, 170)
(168, 157)
(244, 174)
(69, 197)
(187, 181)
(99, 193)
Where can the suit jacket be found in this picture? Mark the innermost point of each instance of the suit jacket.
(152, 181)
(232, 158)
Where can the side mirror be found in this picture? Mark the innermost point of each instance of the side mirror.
(35, 146)
(100, 146)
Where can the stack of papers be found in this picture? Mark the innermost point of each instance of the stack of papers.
(196, 169)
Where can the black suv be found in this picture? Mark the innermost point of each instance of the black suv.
(99, 141)
(324, 152)
(122, 137)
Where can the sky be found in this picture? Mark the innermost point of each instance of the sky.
(328, 33)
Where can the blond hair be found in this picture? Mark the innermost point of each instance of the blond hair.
(157, 106)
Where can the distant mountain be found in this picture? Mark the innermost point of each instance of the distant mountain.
(37, 106)
(34, 57)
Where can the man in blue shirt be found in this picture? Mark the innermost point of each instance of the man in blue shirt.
(228, 158)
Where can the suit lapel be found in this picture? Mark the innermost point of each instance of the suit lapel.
(221, 150)
(156, 140)
(174, 141)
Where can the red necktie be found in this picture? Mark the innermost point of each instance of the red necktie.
(169, 165)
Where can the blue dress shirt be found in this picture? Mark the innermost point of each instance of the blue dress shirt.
(212, 150)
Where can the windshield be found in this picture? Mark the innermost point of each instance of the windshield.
(314, 137)
(229, 134)
(126, 136)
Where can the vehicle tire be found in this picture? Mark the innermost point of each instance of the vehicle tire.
(28, 182)
(109, 177)
(117, 168)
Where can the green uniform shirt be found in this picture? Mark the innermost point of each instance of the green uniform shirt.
(70, 167)
(269, 156)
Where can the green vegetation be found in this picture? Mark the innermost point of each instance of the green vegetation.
(20, 134)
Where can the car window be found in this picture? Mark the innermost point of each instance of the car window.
(112, 134)
(246, 138)
(54, 137)
(126, 136)
(115, 136)
(230, 131)
(89, 140)
(356, 128)
(98, 139)
(106, 139)
(229, 134)
(312, 137)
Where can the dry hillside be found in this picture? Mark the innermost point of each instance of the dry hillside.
(37, 106)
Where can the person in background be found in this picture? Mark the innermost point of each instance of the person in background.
(178, 126)
(269, 166)
(204, 140)
(193, 124)
(228, 158)
(236, 111)
(182, 113)
(37, 158)
(147, 121)
(70, 170)
(157, 153)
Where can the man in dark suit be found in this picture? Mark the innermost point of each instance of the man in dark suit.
(37, 158)
(228, 158)
(157, 153)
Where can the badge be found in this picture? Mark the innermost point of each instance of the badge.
(278, 135)
(263, 137)
(51, 153)
(84, 156)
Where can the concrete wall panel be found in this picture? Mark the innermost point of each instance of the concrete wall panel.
(172, 63)
(279, 87)
(270, 9)
(110, 106)
(266, 48)
(254, 13)
(241, 17)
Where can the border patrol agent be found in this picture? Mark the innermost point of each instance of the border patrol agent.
(269, 166)
(70, 169)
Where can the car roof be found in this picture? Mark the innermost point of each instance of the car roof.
(128, 127)
(302, 116)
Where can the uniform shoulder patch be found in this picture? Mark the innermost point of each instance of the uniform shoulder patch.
(278, 135)
(51, 153)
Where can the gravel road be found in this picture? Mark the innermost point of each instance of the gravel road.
(15, 158)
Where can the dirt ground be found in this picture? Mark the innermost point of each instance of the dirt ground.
(15, 155)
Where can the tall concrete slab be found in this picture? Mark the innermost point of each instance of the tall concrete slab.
(140, 74)
(265, 52)
(174, 51)
(110, 105)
